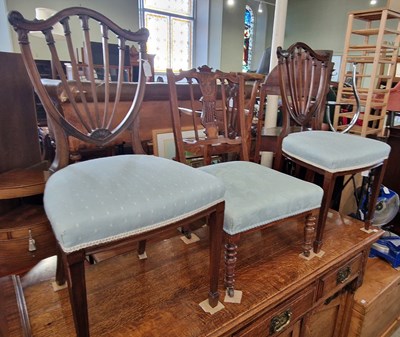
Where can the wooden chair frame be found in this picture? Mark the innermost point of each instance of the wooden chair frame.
(96, 126)
(94, 122)
(206, 82)
(304, 76)
(216, 98)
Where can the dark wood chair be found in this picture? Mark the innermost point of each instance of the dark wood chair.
(217, 126)
(119, 200)
(256, 197)
(304, 77)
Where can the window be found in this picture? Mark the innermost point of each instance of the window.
(170, 23)
(248, 38)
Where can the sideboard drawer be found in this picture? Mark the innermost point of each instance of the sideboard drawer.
(25, 238)
(339, 277)
(281, 317)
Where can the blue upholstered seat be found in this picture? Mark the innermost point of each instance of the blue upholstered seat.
(257, 195)
(106, 199)
(334, 152)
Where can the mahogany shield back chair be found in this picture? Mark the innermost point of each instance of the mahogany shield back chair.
(256, 197)
(118, 200)
(304, 82)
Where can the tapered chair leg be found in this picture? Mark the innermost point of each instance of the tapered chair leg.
(186, 231)
(77, 292)
(215, 224)
(375, 189)
(60, 268)
(328, 187)
(141, 247)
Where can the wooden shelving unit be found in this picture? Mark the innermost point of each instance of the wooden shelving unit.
(372, 42)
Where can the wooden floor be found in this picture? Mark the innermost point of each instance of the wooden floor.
(160, 296)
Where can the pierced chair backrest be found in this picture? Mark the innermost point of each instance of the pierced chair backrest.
(95, 114)
(221, 112)
(304, 77)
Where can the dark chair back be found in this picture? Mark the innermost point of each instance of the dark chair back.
(221, 111)
(91, 119)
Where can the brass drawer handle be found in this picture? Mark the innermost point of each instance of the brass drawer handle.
(343, 275)
(278, 323)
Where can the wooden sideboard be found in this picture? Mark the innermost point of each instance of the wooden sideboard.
(160, 296)
(22, 218)
(19, 141)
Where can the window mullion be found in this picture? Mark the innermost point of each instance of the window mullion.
(170, 43)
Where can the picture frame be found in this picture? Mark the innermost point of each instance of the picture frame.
(164, 142)
(164, 146)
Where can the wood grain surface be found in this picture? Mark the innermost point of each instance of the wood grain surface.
(160, 296)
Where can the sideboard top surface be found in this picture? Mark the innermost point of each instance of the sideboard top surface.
(131, 297)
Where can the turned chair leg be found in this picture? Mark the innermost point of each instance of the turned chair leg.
(215, 225)
(309, 230)
(77, 292)
(230, 263)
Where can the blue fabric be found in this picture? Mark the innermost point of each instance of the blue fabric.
(109, 198)
(334, 152)
(257, 195)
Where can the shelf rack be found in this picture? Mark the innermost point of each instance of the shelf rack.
(371, 42)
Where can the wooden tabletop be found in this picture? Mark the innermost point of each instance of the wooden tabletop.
(160, 296)
(22, 183)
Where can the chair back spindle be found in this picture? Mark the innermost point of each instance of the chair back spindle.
(304, 81)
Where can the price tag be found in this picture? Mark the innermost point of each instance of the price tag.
(147, 68)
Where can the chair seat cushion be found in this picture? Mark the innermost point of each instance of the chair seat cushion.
(257, 195)
(335, 152)
(106, 199)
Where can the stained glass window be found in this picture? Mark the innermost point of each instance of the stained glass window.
(248, 38)
(170, 23)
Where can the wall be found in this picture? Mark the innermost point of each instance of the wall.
(126, 14)
(202, 32)
(263, 31)
(215, 34)
(5, 34)
(322, 24)
(232, 37)
(225, 28)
